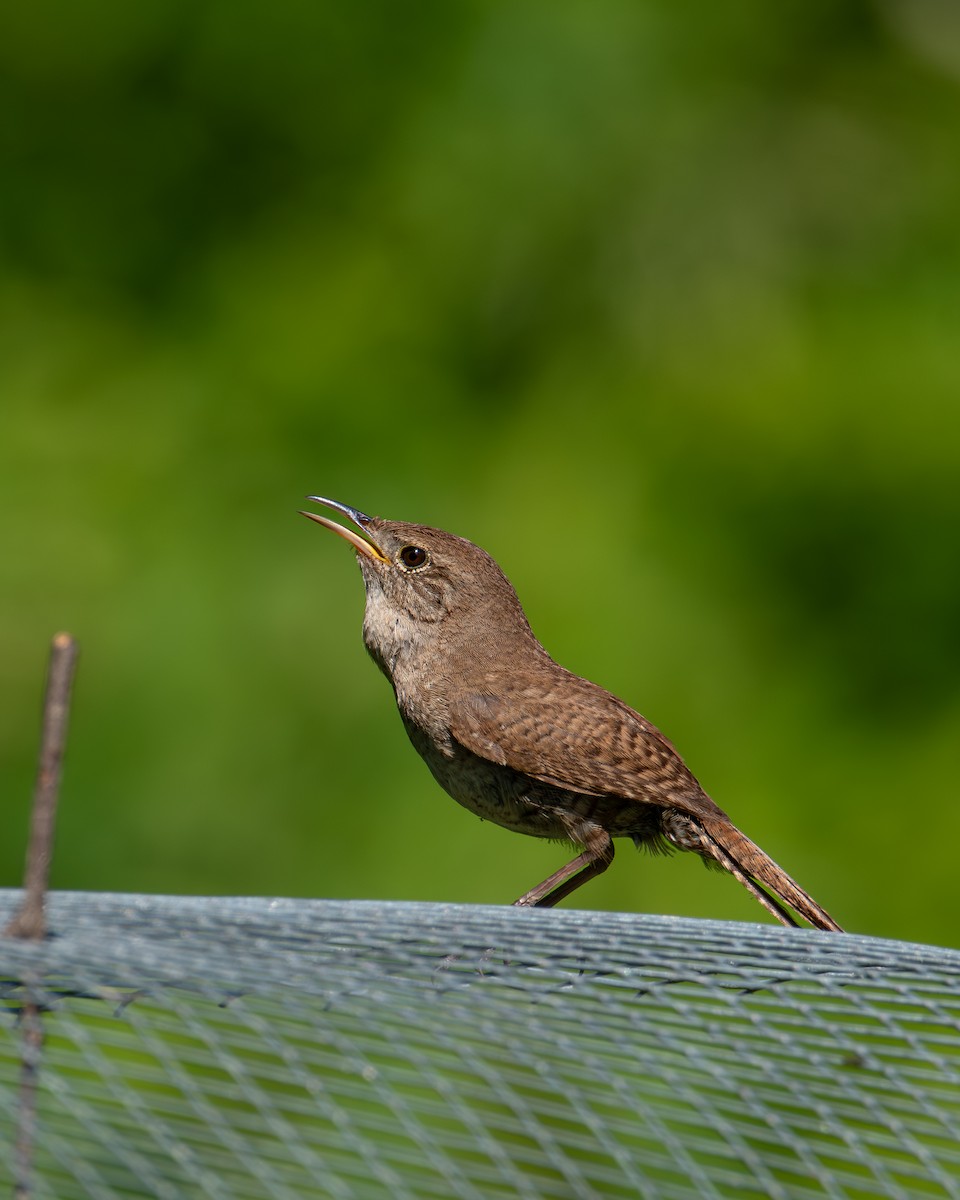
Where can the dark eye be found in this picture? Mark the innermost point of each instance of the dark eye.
(413, 556)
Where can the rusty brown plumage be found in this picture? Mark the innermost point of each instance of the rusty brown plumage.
(518, 739)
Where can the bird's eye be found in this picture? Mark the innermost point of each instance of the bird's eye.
(413, 557)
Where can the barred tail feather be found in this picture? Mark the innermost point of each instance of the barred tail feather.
(747, 863)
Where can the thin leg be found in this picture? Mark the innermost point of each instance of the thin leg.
(560, 884)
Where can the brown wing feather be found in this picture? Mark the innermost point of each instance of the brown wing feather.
(570, 733)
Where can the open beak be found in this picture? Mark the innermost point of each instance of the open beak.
(363, 545)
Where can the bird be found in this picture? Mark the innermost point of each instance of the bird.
(518, 739)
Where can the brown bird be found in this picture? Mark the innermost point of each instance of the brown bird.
(519, 740)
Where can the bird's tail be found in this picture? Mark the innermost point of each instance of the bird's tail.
(723, 842)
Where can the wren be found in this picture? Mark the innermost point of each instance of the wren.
(517, 739)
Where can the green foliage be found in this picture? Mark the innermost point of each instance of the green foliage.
(657, 303)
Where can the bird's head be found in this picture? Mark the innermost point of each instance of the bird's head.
(418, 579)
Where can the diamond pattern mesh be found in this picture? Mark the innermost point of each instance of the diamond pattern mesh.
(253, 1048)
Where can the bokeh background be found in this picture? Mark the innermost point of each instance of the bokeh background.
(658, 303)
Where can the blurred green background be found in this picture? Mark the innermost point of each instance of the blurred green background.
(658, 303)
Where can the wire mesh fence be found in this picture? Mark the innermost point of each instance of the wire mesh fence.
(257, 1048)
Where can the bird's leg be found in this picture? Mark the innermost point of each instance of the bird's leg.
(592, 862)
